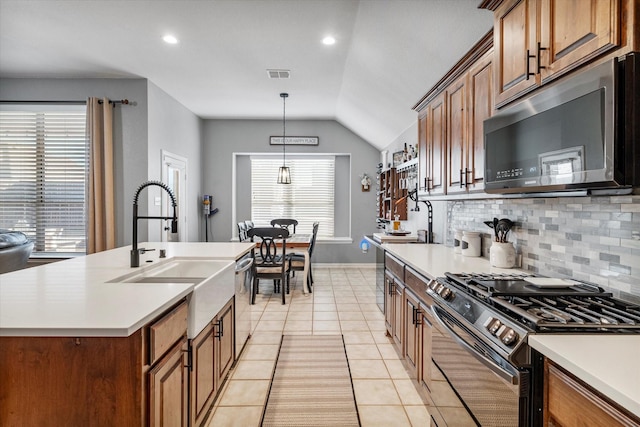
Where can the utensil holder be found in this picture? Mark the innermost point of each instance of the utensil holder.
(502, 255)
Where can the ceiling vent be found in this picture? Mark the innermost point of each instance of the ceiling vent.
(279, 74)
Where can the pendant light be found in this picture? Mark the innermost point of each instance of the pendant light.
(284, 176)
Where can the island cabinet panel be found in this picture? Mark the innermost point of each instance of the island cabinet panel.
(66, 381)
(97, 381)
(570, 402)
(398, 313)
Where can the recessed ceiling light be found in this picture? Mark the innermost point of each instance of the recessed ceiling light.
(328, 40)
(170, 39)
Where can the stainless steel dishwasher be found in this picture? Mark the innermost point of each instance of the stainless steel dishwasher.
(243, 280)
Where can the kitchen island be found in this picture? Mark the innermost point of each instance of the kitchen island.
(604, 361)
(92, 341)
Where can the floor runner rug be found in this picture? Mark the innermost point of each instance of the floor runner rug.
(311, 384)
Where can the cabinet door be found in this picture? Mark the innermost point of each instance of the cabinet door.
(423, 170)
(389, 292)
(456, 136)
(168, 388)
(436, 138)
(480, 108)
(412, 332)
(515, 41)
(424, 361)
(398, 303)
(203, 382)
(573, 31)
(225, 344)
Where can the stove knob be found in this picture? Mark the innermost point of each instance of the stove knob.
(509, 337)
(493, 325)
(445, 293)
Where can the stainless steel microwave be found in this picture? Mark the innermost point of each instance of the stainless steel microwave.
(582, 133)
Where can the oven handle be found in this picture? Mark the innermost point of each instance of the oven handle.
(511, 378)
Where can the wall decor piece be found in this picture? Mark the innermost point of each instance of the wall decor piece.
(294, 140)
(397, 158)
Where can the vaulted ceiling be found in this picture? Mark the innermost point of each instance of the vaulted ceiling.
(387, 54)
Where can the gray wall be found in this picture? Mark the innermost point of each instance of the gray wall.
(172, 127)
(222, 138)
(140, 132)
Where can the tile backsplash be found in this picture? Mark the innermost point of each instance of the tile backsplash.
(595, 239)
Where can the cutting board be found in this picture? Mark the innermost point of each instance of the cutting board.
(549, 282)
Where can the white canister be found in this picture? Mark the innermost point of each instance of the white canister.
(502, 255)
(457, 241)
(470, 243)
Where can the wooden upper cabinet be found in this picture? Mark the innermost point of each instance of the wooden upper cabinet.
(436, 140)
(456, 135)
(538, 40)
(480, 108)
(514, 42)
(572, 31)
(423, 173)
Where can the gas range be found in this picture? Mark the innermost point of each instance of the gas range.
(481, 345)
(567, 306)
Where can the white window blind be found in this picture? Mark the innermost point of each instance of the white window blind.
(309, 197)
(43, 168)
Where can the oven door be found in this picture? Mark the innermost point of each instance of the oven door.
(495, 392)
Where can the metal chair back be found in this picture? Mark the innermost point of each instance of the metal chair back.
(286, 223)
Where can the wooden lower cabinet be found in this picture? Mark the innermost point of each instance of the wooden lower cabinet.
(397, 331)
(168, 389)
(389, 307)
(424, 356)
(212, 354)
(570, 402)
(97, 381)
(412, 332)
(225, 350)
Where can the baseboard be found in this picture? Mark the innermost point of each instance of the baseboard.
(344, 265)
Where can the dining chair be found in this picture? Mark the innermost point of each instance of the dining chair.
(270, 259)
(249, 224)
(286, 223)
(242, 231)
(296, 260)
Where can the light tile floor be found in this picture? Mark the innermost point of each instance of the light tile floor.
(342, 302)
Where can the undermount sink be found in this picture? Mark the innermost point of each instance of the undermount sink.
(213, 280)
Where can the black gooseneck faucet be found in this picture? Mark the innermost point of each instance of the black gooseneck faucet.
(413, 195)
(135, 252)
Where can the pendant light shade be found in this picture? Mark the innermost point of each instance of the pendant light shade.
(284, 176)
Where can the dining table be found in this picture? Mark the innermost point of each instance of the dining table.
(299, 244)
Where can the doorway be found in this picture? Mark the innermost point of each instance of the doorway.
(174, 174)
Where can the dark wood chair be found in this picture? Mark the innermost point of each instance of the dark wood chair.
(296, 260)
(270, 259)
(242, 231)
(286, 223)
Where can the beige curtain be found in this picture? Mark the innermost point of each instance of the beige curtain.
(101, 233)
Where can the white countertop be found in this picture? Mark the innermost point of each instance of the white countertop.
(608, 363)
(73, 297)
(390, 238)
(434, 260)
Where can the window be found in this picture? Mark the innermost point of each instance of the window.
(309, 197)
(43, 169)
